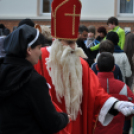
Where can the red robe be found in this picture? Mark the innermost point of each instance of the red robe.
(93, 99)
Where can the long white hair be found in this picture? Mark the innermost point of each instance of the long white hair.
(65, 69)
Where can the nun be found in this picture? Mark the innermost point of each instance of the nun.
(25, 103)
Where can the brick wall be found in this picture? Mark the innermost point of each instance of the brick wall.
(11, 23)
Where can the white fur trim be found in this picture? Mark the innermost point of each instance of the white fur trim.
(104, 117)
(34, 40)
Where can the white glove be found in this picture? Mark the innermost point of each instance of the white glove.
(126, 108)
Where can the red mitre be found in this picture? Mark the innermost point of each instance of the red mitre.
(65, 19)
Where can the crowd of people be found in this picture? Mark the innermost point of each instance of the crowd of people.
(120, 45)
(76, 81)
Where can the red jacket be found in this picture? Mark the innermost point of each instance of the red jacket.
(119, 90)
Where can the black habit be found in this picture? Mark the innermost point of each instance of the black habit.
(25, 103)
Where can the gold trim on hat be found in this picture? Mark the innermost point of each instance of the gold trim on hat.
(73, 15)
(66, 38)
(61, 4)
(54, 16)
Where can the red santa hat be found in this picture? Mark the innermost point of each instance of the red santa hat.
(65, 19)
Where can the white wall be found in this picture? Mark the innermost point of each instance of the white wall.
(97, 9)
(18, 8)
(91, 9)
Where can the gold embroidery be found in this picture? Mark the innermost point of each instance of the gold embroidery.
(95, 124)
(65, 38)
(55, 15)
(73, 15)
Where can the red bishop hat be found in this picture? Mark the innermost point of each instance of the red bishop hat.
(65, 19)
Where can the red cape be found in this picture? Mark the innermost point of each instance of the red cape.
(93, 97)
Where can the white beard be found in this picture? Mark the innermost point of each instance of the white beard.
(65, 70)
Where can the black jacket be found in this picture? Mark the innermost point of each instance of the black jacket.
(25, 103)
(90, 54)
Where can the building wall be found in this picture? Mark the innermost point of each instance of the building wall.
(97, 9)
(19, 9)
(11, 23)
(94, 12)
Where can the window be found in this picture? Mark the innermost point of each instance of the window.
(46, 6)
(126, 7)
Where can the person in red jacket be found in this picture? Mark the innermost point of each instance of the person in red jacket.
(114, 87)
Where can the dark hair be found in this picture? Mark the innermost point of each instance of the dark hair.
(129, 48)
(106, 46)
(113, 20)
(27, 21)
(102, 30)
(113, 36)
(106, 62)
(4, 30)
(83, 28)
(40, 41)
(2, 26)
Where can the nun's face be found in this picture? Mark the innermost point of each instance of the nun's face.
(34, 54)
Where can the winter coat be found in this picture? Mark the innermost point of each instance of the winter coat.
(119, 90)
(25, 103)
(122, 61)
(90, 54)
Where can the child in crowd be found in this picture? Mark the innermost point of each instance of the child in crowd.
(108, 46)
(102, 33)
(113, 24)
(91, 41)
(120, 56)
(115, 88)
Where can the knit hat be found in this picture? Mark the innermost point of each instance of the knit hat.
(28, 22)
(113, 36)
(91, 29)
